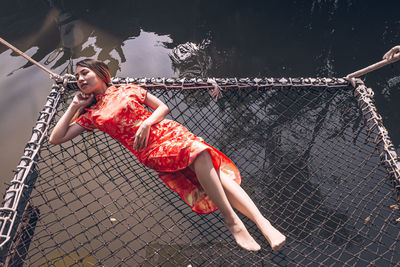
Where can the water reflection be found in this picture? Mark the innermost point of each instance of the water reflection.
(73, 34)
(253, 39)
(228, 39)
(195, 60)
(119, 49)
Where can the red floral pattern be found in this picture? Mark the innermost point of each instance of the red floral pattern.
(171, 147)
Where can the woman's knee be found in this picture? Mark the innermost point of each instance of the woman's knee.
(204, 155)
(202, 158)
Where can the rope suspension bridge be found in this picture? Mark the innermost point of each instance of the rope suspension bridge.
(313, 153)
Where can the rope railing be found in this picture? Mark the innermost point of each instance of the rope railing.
(217, 85)
(386, 61)
(380, 135)
(17, 194)
(374, 66)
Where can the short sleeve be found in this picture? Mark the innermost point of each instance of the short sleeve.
(137, 91)
(85, 121)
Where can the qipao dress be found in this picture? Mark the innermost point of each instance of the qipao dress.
(171, 148)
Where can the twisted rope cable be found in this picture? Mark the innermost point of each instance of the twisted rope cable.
(350, 77)
(52, 74)
(16, 194)
(387, 151)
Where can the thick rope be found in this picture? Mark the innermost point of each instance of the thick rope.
(53, 75)
(372, 67)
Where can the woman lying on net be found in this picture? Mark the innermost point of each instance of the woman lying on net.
(203, 177)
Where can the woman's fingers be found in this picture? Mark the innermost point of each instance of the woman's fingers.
(86, 99)
(90, 98)
(137, 144)
(146, 140)
(81, 97)
(141, 140)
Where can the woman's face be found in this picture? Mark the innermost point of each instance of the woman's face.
(88, 81)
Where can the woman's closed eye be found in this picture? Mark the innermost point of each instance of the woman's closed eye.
(83, 73)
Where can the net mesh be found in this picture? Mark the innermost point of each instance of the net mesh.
(308, 158)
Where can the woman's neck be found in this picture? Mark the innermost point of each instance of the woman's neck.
(101, 90)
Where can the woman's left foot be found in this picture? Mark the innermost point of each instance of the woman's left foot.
(242, 236)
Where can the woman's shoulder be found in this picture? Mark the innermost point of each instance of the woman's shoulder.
(124, 87)
(130, 88)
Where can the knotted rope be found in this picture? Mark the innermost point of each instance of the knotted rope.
(372, 67)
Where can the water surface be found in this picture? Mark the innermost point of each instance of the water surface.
(197, 38)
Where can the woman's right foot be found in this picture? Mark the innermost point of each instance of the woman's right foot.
(275, 238)
(242, 237)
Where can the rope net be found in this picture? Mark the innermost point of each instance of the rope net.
(311, 152)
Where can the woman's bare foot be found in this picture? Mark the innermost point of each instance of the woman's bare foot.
(275, 238)
(242, 236)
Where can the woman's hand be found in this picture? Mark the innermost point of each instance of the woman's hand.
(82, 100)
(64, 130)
(142, 136)
(143, 133)
(392, 52)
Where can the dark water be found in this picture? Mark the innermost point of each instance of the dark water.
(191, 38)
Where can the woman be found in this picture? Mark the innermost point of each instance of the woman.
(204, 177)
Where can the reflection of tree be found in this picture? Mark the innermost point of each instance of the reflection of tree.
(26, 32)
(193, 60)
(75, 32)
(278, 130)
(241, 34)
(60, 31)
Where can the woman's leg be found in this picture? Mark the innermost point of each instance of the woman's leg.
(242, 202)
(210, 181)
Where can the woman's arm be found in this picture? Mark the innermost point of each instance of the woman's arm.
(64, 131)
(143, 133)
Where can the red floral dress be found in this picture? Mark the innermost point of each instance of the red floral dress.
(171, 147)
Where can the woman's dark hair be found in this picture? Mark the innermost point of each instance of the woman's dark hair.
(101, 70)
(97, 67)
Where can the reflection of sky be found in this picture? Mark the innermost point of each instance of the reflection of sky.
(22, 96)
(322, 39)
(146, 56)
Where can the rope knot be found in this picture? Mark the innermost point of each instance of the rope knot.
(217, 91)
